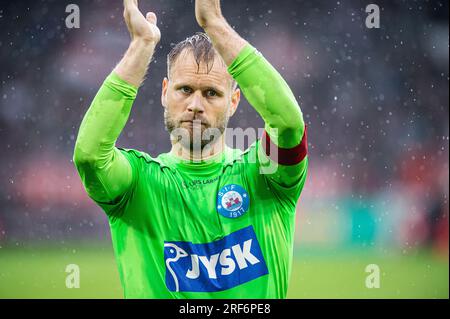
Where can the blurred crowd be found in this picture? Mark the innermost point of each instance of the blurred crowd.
(375, 102)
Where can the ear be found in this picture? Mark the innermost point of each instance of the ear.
(235, 99)
(165, 85)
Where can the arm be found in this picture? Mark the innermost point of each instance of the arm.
(266, 91)
(104, 170)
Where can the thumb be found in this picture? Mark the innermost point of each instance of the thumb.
(151, 17)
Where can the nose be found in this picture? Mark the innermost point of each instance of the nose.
(196, 103)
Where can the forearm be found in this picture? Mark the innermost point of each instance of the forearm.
(134, 65)
(103, 169)
(105, 172)
(285, 142)
(111, 107)
(105, 119)
(267, 92)
(254, 74)
(227, 42)
(270, 95)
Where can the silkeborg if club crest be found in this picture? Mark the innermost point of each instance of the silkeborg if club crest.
(232, 201)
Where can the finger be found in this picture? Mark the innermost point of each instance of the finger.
(151, 17)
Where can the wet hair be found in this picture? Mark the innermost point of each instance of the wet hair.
(201, 46)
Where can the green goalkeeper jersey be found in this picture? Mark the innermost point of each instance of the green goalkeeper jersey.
(220, 228)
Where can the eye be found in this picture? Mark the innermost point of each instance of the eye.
(186, 89)
(211, 93)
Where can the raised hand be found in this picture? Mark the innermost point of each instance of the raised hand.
(208, 12)
(145, 36)
(140, 27)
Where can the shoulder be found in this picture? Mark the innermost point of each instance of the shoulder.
(237, 156)
(244, 162)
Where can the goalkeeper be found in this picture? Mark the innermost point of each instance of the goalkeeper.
(203, 220)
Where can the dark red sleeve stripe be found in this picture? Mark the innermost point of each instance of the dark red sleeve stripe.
(285, 156)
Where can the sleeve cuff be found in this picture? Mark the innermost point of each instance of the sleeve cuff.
(244, 59)
(114, 82)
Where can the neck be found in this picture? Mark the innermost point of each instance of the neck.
(207, 153)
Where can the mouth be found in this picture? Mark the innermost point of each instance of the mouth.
(192, 123)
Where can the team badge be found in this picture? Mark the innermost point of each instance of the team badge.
(232, 201)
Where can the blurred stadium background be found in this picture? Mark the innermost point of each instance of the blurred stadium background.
(375, 100)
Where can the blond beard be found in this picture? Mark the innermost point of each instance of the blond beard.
(198, 136)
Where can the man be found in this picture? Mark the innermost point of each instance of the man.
(204, 220)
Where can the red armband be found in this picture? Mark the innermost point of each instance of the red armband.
(285, 156)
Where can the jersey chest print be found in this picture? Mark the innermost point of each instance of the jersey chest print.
(223, 264)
